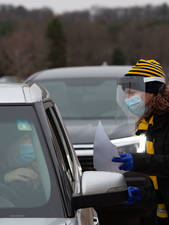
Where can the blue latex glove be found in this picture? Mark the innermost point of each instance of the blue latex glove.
(127, 160)
(134, 195)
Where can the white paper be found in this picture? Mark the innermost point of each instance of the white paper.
(104, 151)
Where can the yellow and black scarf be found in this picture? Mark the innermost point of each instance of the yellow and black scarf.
(146, 126)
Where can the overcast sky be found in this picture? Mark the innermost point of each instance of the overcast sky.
(60, 6)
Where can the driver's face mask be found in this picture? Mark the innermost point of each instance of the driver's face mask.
(26, 154)
(136, 105)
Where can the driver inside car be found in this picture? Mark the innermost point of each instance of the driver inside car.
(20, 173)
(22, 162)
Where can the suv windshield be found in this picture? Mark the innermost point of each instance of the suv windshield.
(24, 175)
(85, 98)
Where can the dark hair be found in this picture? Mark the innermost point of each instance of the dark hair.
(158, 105)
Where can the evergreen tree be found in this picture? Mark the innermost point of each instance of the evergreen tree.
(118, 57)
(57, 44)
(5, 28)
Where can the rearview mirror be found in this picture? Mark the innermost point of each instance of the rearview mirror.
(101, 190)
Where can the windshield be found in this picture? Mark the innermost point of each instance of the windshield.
(85, 98)
(24, 175)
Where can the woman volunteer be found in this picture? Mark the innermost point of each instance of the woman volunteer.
(147, 96)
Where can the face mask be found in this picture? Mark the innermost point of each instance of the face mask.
(136, 105)
(26, 154)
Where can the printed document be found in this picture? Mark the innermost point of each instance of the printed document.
(104, 151)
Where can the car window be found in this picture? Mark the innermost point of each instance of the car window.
(25, 177)
(62, 149)
(65, 134)
(85, 98)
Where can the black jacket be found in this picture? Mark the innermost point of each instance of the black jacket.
(157, 164)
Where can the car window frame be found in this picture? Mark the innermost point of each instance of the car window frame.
(38, 212)
(67, 181)
(57, 128)
(67, 190)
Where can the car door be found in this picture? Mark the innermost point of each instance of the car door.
(38, 200)
(68, 163)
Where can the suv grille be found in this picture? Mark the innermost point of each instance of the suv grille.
(86, 163)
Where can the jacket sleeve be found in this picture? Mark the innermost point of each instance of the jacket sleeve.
(148, 194)
(152, 165)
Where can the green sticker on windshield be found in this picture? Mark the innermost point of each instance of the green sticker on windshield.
(23, 125)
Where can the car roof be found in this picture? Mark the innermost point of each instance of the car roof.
(80, 72)
(22, 93)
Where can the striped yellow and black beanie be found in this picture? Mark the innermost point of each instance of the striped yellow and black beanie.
(151, 72)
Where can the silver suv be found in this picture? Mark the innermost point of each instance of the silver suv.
(85, 95)
(41, 180)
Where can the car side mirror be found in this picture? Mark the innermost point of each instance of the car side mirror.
(100, 190)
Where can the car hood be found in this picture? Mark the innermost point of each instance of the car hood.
(36, 221)
(83, 131)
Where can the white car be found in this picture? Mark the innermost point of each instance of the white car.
(41, 182)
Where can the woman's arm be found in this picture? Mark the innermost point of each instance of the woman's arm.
(155, 165)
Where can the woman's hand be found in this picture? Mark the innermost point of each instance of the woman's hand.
(134, 194)
(126, 159)
(21, 174)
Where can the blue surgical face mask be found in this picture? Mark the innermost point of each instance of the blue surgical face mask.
(26, 154)
(136, 105)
